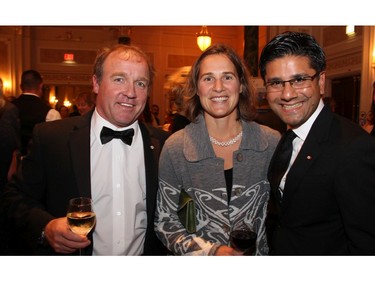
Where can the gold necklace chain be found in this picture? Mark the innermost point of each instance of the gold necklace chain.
(226, 143)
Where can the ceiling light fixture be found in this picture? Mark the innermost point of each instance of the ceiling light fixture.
(350, 30)
(203, 39)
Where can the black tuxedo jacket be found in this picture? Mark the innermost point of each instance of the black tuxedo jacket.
(58, 168)
(329, 195)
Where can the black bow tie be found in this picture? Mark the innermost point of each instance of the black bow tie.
(107, 134)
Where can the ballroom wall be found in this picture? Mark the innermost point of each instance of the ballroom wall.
(43, 48)
(169, 47)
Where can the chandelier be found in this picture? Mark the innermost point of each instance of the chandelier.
(203, 38)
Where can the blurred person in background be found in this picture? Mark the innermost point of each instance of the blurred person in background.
(85, 102)
(175, 91)
(75, 111)
(155, 112)
(147, 117)
(369, 125)
(31, 106)
(64, 111)
(9, 138)
(9, 158)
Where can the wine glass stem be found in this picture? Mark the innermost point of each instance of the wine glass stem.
(80, 252)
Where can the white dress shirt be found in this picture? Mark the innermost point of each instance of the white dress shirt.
(301, 132)
(118, 188)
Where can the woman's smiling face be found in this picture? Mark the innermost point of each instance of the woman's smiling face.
(218, 86)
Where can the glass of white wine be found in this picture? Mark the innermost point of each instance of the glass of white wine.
(80, 215)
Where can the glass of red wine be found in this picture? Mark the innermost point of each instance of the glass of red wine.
(243, 239)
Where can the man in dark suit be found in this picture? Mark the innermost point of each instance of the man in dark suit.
(77, 157)
(32, 108)
(324, 202)
(9, 147)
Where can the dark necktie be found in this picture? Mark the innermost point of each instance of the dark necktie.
(107, 134)
(281, 159)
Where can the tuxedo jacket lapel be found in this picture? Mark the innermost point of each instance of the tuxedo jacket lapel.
(151, 151)
(79, 145)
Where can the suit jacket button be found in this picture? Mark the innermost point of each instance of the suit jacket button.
(239, 157)
(238, 191)
(226, 228)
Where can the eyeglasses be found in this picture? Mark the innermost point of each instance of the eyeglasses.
(296, 83)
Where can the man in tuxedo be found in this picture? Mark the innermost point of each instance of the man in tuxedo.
(89, 156)
(324, 202)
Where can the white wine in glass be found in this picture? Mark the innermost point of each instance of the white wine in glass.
(80, 215)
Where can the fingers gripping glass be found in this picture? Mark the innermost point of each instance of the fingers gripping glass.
(81, 217)
(300, 82)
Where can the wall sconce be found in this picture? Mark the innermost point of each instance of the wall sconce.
(373, 58)
(350, 30)
(53, 101)
(203, 39)
(67, 103)
(6, 88)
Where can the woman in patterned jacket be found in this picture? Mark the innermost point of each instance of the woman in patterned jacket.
(220, 160)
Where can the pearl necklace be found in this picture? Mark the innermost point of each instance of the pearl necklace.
(226, 143)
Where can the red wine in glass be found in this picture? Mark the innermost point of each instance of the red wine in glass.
(244, 240)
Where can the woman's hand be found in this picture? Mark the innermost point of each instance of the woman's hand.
(227, 251)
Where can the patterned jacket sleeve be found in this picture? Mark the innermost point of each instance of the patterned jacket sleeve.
(168, 227)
